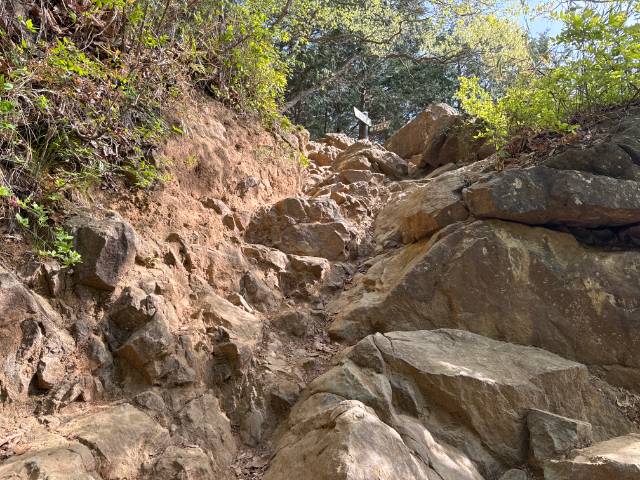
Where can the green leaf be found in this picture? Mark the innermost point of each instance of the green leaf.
(22, 220)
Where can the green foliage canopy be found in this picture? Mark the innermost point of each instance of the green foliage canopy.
(598, 65)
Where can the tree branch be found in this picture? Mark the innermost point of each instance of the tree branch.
(302, 94)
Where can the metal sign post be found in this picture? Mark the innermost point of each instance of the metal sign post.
(364, 122)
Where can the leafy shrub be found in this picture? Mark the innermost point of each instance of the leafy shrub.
(601, 68)
(84, 91)
(35, 219)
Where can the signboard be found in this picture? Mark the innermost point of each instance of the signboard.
(381, 127)
(362, 116)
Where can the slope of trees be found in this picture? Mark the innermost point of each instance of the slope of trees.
(86, 85)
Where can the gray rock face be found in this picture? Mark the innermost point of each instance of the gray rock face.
(140, 334)
(108, 249)
(33, 342)
(312, 227)
(608, 159)
(547, 196)
(515, 474)
(551, 436)
(618, 458)
(526, 285)
(452, 397)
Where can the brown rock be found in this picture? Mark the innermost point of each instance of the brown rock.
(72, 461)
(422, 211)
(186, 463)
(477, 392)
(107, 247)
(122, 437)
(352, 176)
(618, 458)
(353, 162)
(454, 143)
(324, 155)
(341, 141)
(364, 155)
(235, 331)
(133, 309)
(303, 275)
(551, 436)
(146, 349)
(412, 138)
(202, 422)
(216, 205)
(312, 227)
(51, 370)
(229, 221)
(296, 323)
(33, 342)
(266, 257)
(262, 296)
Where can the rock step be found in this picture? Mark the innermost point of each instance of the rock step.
(435, 404)
(530, 286)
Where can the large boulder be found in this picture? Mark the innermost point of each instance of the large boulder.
(202, 422)
(349, 442)
(235, 331)
(526, 285)
(457, 144)
(312, 227)
(147, 349)
(412, 138)
(438, 136)
(548, 196)
(107, 247)
(618, 458)
(453, 398)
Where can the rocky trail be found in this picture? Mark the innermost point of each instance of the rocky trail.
(413, 311)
